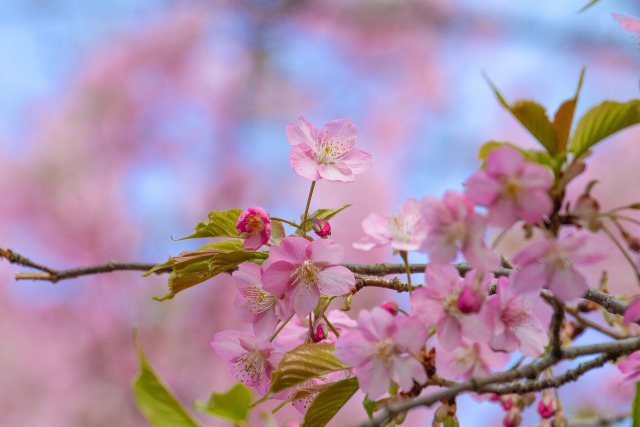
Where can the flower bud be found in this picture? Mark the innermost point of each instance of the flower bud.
(513, 418)
(318, 332)
(506, 401)
(391, 307)
(560, 420)
(321, 227)
(470, 300)
(547, 405)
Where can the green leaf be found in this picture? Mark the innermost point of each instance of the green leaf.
(369, 406)
(329, 401)
(324, 214)
(194, 267)
(635, 409)
(219, 224)
(303, 363)
(533, 117)
(564, 117)
(231, 405)
(155, 401)
(541, 157)
(591, 3)
(601, 121)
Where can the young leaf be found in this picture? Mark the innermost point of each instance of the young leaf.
(635, 409)
(564, 117)
(591, 3)
(533, 117)
(601, 121)
(231, 405)
(329, 401)
(324, 214)
(369, 406)
(278, 232)
(303, 363)
(155, 401)
(219, 224)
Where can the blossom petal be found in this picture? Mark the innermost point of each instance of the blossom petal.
(336, 172)
(482, 189)
(302, 133)
(337, 280)
(567, 284)
(276, 279)
(325, 252)
(449, 332)
(227, 345)
(304, 162)
(357, 160)
(305, 300)
(531, 278)
(340, 130)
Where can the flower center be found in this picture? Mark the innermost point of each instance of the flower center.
(257, 300)
(251, 366)
(557, 259)
(254, 224)
(399, 228)
(306, 276)
(386, 350)
(456, 232)
(511, 189)
(328, 151)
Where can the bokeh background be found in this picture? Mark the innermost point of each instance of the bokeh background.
(124, 123)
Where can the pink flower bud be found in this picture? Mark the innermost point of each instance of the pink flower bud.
(506, 401)
(470, 301)
(391, 307)
(254, 226)
(513, 418)
(318, 332)
(547, 405)
(321, 227)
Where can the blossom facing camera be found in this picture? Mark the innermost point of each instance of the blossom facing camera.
(255, 226)
(327, 153)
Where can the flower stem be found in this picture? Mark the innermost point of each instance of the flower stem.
(330, 326)
(405, 258)
(621, 248)
(275, 334)
(293, 224)
(306, 210)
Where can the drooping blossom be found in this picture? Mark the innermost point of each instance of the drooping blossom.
(632, 313)
(631, 367)
(404, 232)
(327, 154)
(628, 23)
(436, 304)
(515, 325)
(470, 359)
(255, 305)
(297, 330)
(380, 350)
(251, 359)
(255, 226)
(512, 188)
(551, 264)
(453, 226)
(306, 270)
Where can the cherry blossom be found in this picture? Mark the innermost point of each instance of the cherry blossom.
(306, 270)
(327, 154)
(437, 304)
(254, 224)
(628, 23)
(511, 188)
(470, 359)
(380, 351)
(515, 325)
(297, 330)
(251, 359)
(404, 232)
(551, 264)
(255, 305)
(454, 225)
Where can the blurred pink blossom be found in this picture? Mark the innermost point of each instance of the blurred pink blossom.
(468, 360)
(327, 154)
(632, 313)
(380, 350)
(631, 367)
(511, 187)
(628, 23)
(404, 232)
(255, 226)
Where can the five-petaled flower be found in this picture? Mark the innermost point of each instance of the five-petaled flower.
(327, 154)
(306, 270)
(255, 226)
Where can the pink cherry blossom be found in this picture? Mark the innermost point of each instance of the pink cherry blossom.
(256, 224)
(251, 360)
(327, 154)
(306, 270)
(404, 232)
(436, 303)
(297, 330)
(551, 264)
(255, 305)
(631, 367)
(628, 23)
(454, 225)
(632, 313)
(512, 188)
(468, 360)
(380, 351)
(515, 325)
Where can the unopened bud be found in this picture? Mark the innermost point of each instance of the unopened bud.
(321, 227)
(633, 242)
(547, 405)
(318, 332)
(586, 212)
(506, 401)
(470, 300)
(513, 418)
(391, 307)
